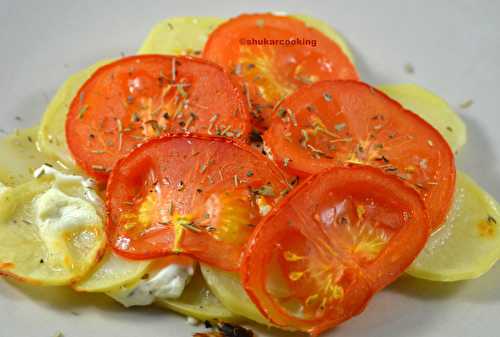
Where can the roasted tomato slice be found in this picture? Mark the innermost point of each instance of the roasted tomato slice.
(196, 195)
(131, 100)
(268, 72)
(343, 234)
(334, 123)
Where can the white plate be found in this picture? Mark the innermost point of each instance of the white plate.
(454, 47)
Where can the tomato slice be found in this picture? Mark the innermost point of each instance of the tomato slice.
(334, 123)
(268, 72)
(133, 99)
(197, 195)
(343, 234)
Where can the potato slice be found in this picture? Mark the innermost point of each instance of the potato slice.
(52, 134)
(432, 108)
(198, 301)
(113, 272)
(328, 30)
(186, 35)
(227, 288)
(20, 157)
(183, 35)
(468, 244)
(51, 233)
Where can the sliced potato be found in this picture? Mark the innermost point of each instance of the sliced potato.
(468, 244)
(52, 134)
(20, 157)
(432, 108)
(227, 288)
(186, 35)
(111, 273)
(328, 30)
(198, 301)
(50, 232)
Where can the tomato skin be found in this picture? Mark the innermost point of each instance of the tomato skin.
(158, 198)
(350, 122)
(268, 73)
(129, 101)
(384, 197)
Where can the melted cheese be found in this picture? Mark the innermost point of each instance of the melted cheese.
(167, 283)
(59, 215)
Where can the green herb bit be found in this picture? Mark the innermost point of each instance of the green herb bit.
(82, 111)
(247, 94)
(225, 130)
(284, 192)
(191, 119)
(305, 138)
(119, 126)
(174, 69)
(340, 126)
(170, 209)
(310, 108)
(189, 225)
(238, 69)
(255, 136)
(409, 68)
(281, 112)
(135, 117)
(467, 104)
(265, 190)
(156, 127)
(99, 168)
(212, 121)
(317, 152)
(181, 91)
(292, 117)
(327, 97)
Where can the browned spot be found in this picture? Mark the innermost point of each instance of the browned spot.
(486, 229)
(19, 278)
(99, 256)
(7, 265)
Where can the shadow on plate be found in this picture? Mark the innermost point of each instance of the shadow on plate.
(67, 301)
(423, 289)
(64, 298)
(483, 289)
